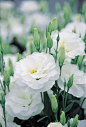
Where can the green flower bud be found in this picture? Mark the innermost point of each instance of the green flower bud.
(61, 55)
(31, 45)
(6, 76)
(58, 7)
(49, 27)
(72, 2)
(44, 6)
(68, 123)
(70, 81)
(84, 8)
(11, 71)
(18, 57)
(54, 24)
(79, 61)
(44, 41)
(36, 39)
(54, 104)
(49, 41)
(79, 17)
(62, 118)
(67, 11)
(46, 31)
(75, 121)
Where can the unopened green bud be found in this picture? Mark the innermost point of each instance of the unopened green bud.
(68, 123)
(49, 41)
(79, 17)
(31, 45)
(11, 71)
(79, 61)
(84, 8)
(70, 81)
(54, 24)
(61, 55)
(54, 104)
(36, 39)
(58, 7)
(49, 27)
(44, 41)
(46, 31)
(62, 118)
(66, 12)
(6, 76)
(72, 2)
(75, 121)
(43, 6)
(18, 57)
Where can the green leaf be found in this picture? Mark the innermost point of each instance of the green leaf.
(69, 107)
(43, 118)
(47, 105)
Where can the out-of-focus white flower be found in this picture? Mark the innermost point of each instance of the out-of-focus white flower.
(79, 27)
(23, 104)
(5, 8)
(81, 123)
(11, 124)
(1, 114)
(38, 20)
(78, 81)
(77, 17)
(29, 6)
(55, 124)
(73, 45)
(16, 27)
(36, 71)
(12, 57)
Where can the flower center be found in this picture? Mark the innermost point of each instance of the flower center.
(63, 43)
(33, 71)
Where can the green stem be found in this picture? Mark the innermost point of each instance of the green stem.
(46, 49)
(49, 50)
(60, 70)
(63, 99)
(55, 114)
(66, 96)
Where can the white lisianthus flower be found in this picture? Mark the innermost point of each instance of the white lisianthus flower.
(78, 81)
(11, 124)
(77, 17)
(55, 124)
(29, 6)
(23, 104)
(37, 72)
(79, 27)
(38, 20)
(12, 57)
(73, 45)
(5, 8)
